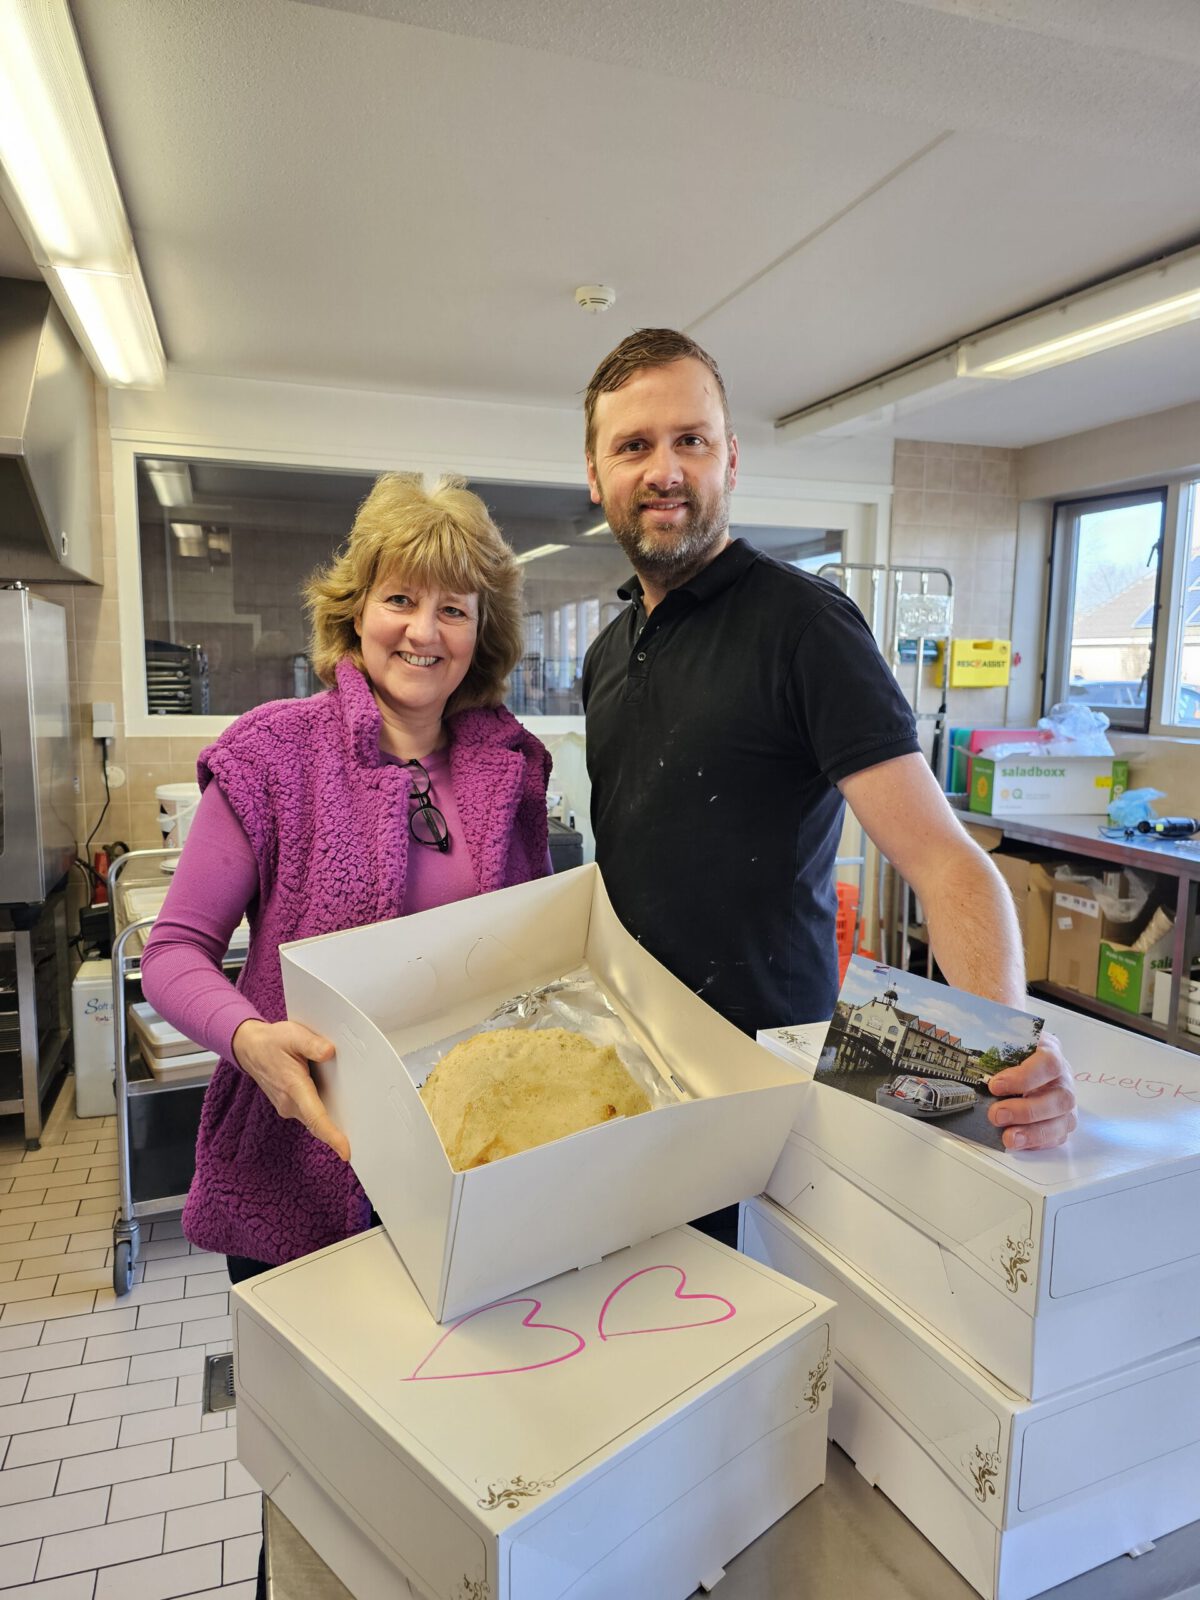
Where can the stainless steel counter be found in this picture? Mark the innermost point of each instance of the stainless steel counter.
(845, 1539)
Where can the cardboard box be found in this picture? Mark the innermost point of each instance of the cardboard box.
(1125, 975)
(1027, 785)
(1049, 1267)
(1031, 884)
(1078, 927)
(1161, 1011)
(1018, 1496)
(624, 1430)
(469, 1237)
(93, 1040)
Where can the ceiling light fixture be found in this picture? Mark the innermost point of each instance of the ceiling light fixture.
(876, 404)
(59, 185)
(171, 482)
(1115, 313)
(1148, 300)
(539, 550)
(601, 527)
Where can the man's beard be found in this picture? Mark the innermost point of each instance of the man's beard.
(670, 557)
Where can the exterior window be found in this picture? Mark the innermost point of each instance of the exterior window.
(858, 1016)
(892, 1031)
(1182, 702)
(1103, 642)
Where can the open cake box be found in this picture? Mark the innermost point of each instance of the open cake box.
(387, 990)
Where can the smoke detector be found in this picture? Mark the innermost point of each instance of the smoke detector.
(594, 297)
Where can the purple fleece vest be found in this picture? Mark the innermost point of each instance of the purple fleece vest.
(327, 819)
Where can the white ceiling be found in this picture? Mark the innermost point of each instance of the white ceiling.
(402, 194)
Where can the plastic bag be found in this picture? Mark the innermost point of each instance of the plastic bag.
(1134, 806)
(1116, 907)
(575, 1002)
(1076, 730)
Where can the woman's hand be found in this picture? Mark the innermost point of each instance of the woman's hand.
(276, 1055)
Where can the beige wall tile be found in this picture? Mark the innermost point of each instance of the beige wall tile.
(939, 472)
(967, 452)
(188, 749)
(997, 477)
(937, 511)
(997, 512)
(966, 475)
(908, 472)
(908, 506)
(964, 509)
(143, 824)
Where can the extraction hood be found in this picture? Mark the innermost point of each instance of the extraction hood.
(48, 518)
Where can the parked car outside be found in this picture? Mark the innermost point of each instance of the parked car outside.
(1121, 692)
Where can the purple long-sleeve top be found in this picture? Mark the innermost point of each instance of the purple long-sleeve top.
(217, 878)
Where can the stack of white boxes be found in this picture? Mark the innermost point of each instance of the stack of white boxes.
(437, 1427)
(1018, 1344)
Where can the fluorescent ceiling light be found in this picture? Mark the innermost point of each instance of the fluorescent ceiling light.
(873, 405)
(601, 527)
(60, 186)
(189, 536)
(1138, 303)
(171, 482)
(540, 550)
(1126, 308)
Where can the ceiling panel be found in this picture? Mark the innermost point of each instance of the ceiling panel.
(402, 194)
(393, 207)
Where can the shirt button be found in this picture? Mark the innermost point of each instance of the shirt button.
(641, 655)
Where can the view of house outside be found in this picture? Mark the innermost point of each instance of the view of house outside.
(1116, 577)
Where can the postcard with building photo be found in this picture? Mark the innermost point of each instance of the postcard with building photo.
(922, 1050)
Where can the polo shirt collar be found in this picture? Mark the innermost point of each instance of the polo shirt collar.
(719, 574)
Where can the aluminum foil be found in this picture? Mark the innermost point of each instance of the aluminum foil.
(575, 1002)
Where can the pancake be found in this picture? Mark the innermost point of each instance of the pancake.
(499, 1093)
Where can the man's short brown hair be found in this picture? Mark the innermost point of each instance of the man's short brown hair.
(646, 347)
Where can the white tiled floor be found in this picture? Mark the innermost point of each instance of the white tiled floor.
(113, 1486)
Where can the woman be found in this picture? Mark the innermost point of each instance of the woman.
(405, 786)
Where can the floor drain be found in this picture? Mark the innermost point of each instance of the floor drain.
(219, 1392)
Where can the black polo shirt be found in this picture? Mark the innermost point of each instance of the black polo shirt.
(717, 729)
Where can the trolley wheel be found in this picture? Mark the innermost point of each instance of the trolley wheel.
(123, 1267)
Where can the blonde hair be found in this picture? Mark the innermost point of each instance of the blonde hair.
(441, 536)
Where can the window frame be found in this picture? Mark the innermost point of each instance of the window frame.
(1063, 567)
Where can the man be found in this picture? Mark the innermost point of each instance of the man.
(732, 710)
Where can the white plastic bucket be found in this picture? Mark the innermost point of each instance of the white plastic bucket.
(177, 806)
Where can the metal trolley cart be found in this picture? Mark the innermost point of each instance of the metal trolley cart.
(156, 1121)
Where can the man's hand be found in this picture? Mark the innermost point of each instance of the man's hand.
(276, 1055)
(1043, 1112)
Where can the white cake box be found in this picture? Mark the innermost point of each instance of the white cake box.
(1018, 1495)
(622, 1431)
(469, 1237)
(1049, 1267)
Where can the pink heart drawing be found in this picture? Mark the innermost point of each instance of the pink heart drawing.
(651, 1311)
(524, 1364)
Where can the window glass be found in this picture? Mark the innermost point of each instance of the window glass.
(1185, 676)
(226, 549)
(1107, 556)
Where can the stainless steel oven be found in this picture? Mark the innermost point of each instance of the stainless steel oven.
(37, 776)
